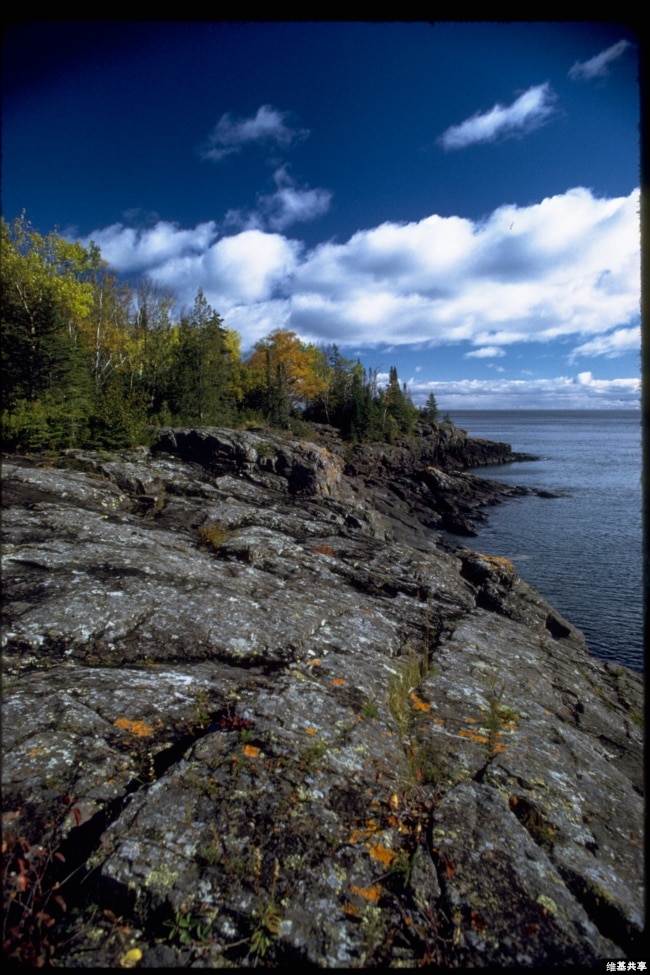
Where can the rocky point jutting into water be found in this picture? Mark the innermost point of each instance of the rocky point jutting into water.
(256, 712)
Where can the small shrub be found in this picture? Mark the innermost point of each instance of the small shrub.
(213, 536)
(265, 450)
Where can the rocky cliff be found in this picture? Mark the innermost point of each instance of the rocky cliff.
(256, 712)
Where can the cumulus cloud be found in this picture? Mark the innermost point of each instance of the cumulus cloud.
(526, 113)
(267, 126)
(132, 250)
(565, 268)
(598, 66)
(286, 205)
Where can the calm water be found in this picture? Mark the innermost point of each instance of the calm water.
(582, 551)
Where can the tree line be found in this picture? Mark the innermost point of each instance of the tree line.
(92, 361)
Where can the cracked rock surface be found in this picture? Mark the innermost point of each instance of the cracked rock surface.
(256, 712)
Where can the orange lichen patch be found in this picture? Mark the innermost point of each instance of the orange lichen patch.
(499, 562)
(252, 751)
(500, 747)
(368, 893)
(33, 752)
(351, 909)
(383, 854)
(310, 731)
(473, 736)
(418, 703)
(471, 720)
(394, 801)
(363, 833)
(314, 663)
(137, 728)
(338, 681)
(396, 823)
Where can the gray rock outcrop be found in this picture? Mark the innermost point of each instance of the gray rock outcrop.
(255, 713)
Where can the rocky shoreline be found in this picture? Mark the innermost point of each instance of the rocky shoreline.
(256, 712)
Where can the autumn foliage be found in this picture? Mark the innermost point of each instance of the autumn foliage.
(89, 360)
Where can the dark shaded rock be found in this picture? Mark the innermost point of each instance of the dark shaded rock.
(266, 719)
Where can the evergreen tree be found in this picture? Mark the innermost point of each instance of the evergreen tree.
(200, 389)
(430, 409)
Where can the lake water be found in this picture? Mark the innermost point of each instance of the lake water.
(583, 550)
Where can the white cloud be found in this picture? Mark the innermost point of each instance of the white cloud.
(566, 268)
(268, 125)
(558, 393)
(526, 113)
(613, 344)
(598, 66)
(131, 249)
(487, 352)
(287, 205)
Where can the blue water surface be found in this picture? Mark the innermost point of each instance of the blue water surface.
(583, 550)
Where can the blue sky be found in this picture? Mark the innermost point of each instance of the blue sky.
(460, 200)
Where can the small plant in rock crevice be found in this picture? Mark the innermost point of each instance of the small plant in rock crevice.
(370, 709)
(187, 928)
(201, 706)
(266, 920)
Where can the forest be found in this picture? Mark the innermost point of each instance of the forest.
(89, 360)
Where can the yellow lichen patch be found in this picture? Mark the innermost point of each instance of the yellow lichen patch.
(418, 703)
(310, 731)
(137, 728)
(338, 681)
(368, 893)
(440, 721)
(252, 751)
(383, 854)
(33, 752)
